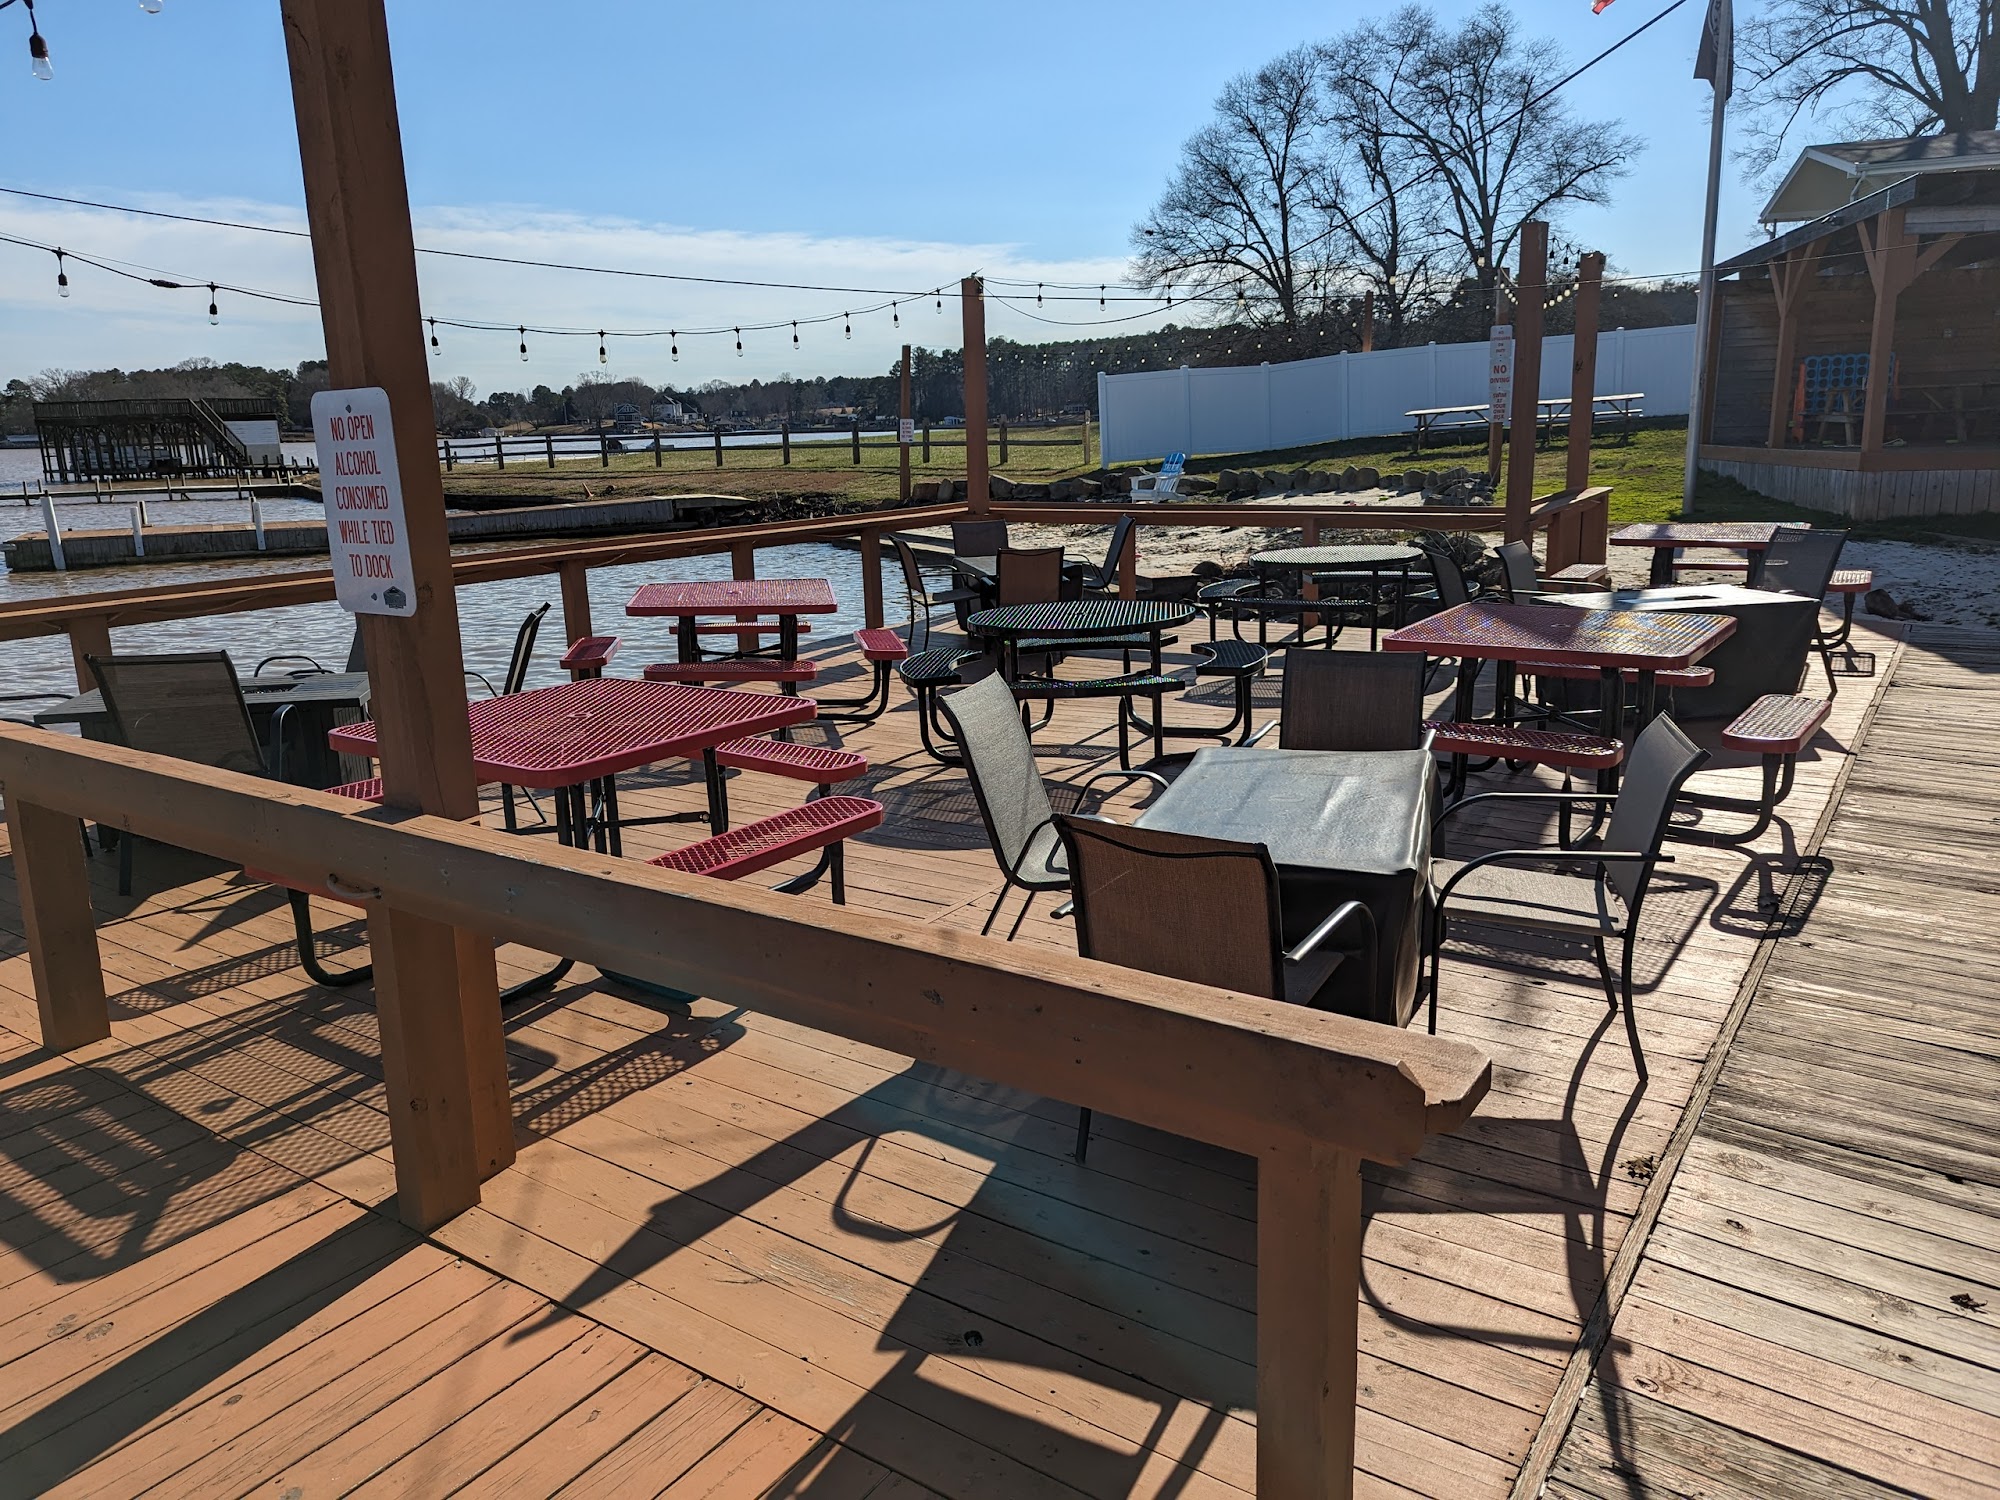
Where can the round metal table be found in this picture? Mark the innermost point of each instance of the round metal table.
(1076, 620)
(1373, 559)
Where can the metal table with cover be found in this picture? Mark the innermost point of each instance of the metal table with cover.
(1766, 654)
(304, 709)
(1017, 626)
(1340, 826)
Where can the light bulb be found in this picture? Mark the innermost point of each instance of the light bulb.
(795, 335)
(38, 58)
(435, 349)
(214, 317)
(151, 7)
(524, 346)
(739, 343)
(602, 357)
(895, 318)
(674, 345)
(847, 324)
(62, 276)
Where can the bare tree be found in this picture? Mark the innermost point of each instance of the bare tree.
(1869, 67)
(1473, 109)
(1244, 210)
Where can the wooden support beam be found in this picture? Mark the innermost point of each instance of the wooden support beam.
(743, 560)
(1531, 285)
(1583, 372)
(89, 635)
(978, 477)
(435, 988)
(1792, 278)
(871, 575)
(1368, 321)
(1309, 1229)
(54, 884)
(575, 581)
(1891, 252)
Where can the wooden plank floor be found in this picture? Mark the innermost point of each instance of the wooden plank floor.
(740, 1257)
(1818, 1310)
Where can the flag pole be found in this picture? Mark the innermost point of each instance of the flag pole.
(1719, 59)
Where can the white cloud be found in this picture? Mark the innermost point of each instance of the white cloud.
(111, 321)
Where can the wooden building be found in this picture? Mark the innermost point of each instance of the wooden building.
(1856, 358)
(177, 436)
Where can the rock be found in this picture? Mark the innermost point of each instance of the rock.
(1031, 492)
(1297, 479)
(1206, 570)
(1882, 604)
(1274, 479)
(1350, 478)
(1366, 478)
(1119, 484)
(925, 489)
(1085, 489)
(1197, 484)
(1000, 487)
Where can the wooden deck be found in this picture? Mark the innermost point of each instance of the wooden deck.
(1818, 1308)
(740, 1257)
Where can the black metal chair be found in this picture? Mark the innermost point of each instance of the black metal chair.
(516, 676)
(1517, 563)
(1104, 578)
(190, 706)
(1351, 700)
(1203, 910)
(1802, 560)
(357, 660)
(1013, 799)
(1599, 896)
(925, 597)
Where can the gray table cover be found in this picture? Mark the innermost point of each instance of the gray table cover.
(1340, 826)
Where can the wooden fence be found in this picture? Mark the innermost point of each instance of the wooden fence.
(1309, 1094)
(548, 447)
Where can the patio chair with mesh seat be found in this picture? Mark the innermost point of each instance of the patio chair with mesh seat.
(1200, 909)
(1597, 894)
(1104, 577)
(926, 596)
(1802, 560)
(1013, 799)
(1351, 700)
(357, 660)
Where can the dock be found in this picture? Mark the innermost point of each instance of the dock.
(737, 1255)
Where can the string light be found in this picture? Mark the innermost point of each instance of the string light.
(150, 7)
(847, 324)
(795, 335)
(674, 345)
(1038, 294)
(38, 49)
(895, 318)
(62, 276)
(939, 294)
(213, 316)
(739, 343)
(1100, 296)
(602, 357)
(524, 343)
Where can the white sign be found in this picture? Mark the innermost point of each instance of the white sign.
(1500, 371)
(363, 495)
(906, 431)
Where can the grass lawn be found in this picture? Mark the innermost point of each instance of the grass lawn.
(1644, 473)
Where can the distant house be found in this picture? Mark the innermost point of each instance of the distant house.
(624, 417)
(669, 411)
(1855, 354)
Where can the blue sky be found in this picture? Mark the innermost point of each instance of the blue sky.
(873, 144)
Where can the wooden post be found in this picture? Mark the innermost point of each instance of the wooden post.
(927, 442)
(903, 447)
(1531, 284)
(855, 438)
(871, 578)
(499, 455)
(742, 559)
(1495, 437)
(1892, 264)
(89, 635)
(656, 450)
(1791, 276)
(549, 443)
(1309, 1229)
(718, 445)
(978, 481)
(603, 448)
(1003, 442)
(1086, 439)
(785, 440)
(1368, 321)
(1583, 373)
(1308, 537)
(574, 577)
(435, 987)
(53, 882)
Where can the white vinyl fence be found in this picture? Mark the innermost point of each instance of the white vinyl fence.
(1250, 408)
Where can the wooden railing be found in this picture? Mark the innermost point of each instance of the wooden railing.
(1310, 1095)
(1576, 526)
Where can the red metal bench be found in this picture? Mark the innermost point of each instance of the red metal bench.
(747, 627)
(1579, 577)
(1777, 727)
(881, 649)
(743, 669)
(821, 765)
(589, 656)
(1688, 677)
(1850, 584)
(1565, 749)
(824, 823)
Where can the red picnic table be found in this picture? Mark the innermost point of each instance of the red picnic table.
(1613, 641)
(577, 736)
(742, 599)
(1664, 537)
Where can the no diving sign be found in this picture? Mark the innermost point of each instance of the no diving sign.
(363, 496)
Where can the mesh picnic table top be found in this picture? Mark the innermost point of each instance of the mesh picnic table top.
(1350, 555)
(1643, 641)
(1079, 617)
(573, 732)
(1750, 535)
(780, 596)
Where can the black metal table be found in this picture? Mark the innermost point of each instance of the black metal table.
(1340, 826)
(1349, 560)
(314, 705)
(1078, 620)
